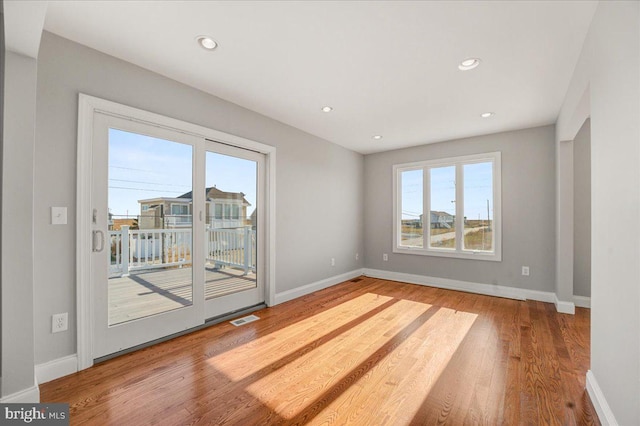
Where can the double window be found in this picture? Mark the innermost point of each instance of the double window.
(231, 211)
(180, 209)
(449, 207)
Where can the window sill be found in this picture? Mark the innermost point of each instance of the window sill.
(473, 255)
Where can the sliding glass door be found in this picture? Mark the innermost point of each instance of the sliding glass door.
(176, 232)
(233, 229)
(144, 283)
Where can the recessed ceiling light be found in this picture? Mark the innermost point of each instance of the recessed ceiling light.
(487, 114)
(469, 64)
(206, 42)
(327, 109)
(377, 137)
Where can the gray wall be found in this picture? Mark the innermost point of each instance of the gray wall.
(609, 71)
(582, 211)
(319, 184)
(528, 205)
(614, 48)
(17, 223)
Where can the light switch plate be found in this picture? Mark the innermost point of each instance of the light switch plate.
(58, 215)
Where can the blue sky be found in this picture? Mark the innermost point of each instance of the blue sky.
(478, 180)
(143, 167)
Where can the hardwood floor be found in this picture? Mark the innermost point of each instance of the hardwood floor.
(368, 352)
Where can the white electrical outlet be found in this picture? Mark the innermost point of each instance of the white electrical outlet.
(385, 257)
(525, 271)
(333, 261)
(59, 322)
(357, 256)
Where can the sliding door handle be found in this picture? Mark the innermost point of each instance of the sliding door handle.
(95, 248)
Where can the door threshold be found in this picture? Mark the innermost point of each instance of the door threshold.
(208, 323)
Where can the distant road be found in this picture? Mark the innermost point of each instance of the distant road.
(416, 240)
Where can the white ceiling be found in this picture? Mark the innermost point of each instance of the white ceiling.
(387, 68)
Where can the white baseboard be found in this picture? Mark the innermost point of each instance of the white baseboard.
(599, 401)
(25, 396)
(56, 368)
(446, 283)
(285, 296)
(582, 301)
(469, 287)
(564, 307)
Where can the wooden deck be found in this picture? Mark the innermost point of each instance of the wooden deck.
(151, 292)
(365, 352)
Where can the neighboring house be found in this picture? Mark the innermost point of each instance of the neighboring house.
(223, 210)
(253, 219)
(440, 219)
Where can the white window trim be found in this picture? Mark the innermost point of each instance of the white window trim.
(496, 254)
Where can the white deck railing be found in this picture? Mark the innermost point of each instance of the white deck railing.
(133, 249)
(226, 247)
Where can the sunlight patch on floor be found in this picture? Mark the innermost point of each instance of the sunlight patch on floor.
(398, 385)
(265, 351)
(291, 389)
(371, 365)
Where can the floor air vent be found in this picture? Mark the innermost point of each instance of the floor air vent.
(355, 280)
(244, 320)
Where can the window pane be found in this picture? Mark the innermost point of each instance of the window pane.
(178, 209)
(231, 243)
(478, 206)
(411, 218)
(443, 207)
(150, 270)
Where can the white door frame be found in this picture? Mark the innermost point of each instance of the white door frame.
(87, 107)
